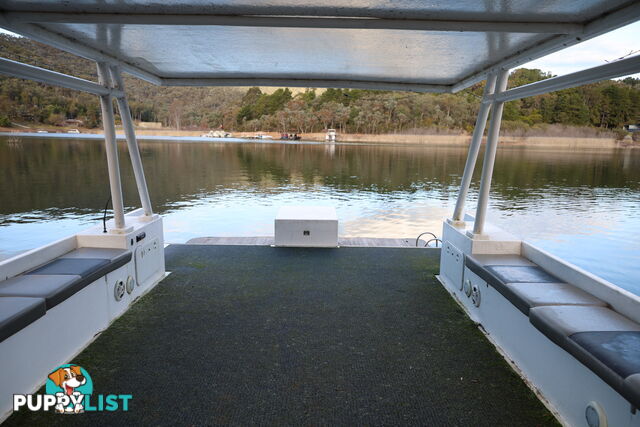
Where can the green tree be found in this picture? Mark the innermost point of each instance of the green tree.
(571, 108)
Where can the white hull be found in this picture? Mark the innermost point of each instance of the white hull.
(564, 384)
(29, 355)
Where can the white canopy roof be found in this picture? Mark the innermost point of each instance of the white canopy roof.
(416, 45)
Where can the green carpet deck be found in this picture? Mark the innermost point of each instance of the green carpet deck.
(247, 335)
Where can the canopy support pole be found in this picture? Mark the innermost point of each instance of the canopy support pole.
(474, 149)
(111, 149)
(132, 143)
(490, 154)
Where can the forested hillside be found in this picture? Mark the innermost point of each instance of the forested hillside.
(604, 105)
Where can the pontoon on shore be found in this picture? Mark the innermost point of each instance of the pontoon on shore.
(292, 335)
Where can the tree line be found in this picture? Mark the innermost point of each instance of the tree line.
(604, 105)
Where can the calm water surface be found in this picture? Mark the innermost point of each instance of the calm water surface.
(581, 205)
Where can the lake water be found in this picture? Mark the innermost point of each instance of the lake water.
(581, 205)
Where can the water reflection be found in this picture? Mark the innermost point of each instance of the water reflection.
(581, 205)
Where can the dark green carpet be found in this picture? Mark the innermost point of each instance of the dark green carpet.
(258, 335)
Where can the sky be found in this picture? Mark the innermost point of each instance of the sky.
(591, 53)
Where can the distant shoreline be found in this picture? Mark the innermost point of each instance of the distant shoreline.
(460, 139)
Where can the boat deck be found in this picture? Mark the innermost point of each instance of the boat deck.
(249, 335)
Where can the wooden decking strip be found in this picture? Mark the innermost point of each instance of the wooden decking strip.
(369, 242)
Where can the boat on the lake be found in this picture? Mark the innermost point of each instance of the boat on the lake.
(306, 327)
(290, 137)
(217, 134)
(331, 135)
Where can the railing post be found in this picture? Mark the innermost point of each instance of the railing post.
(474, 148)
(111, 149)
(132, 143)
(490, 154)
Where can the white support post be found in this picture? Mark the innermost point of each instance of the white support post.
(132, 143)
(611, 70)
(474, 149)
(490, 155)
(111, 149)
(29, 72)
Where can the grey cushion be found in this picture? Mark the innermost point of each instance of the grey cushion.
(53, 288)
(23, 299)
(521, 274)
(17, 313)
(89, 269)
(528, 295)
(614, 357)
(603, 340)
(559, 322)
(631, 388)
(515, 269)
(478, 268)
(73, 266)
(517, 282)
(112, 255)
(620, 351)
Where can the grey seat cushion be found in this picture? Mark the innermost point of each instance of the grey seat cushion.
(515, 269)
(53, 288)
(525, 284)
(480, 269)
(620, 351)
(528, 295)
(631, 388)
(23, 299)
(71, 266)
(112, 255)
(521, 274)
(614, 357)
(560, 322)
(88, 269)
(603, 340)
(17, 313)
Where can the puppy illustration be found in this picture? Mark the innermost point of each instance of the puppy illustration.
(68, 379)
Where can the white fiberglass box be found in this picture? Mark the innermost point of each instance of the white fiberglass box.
(310, 226)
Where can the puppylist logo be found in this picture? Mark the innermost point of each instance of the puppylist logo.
(69, 390)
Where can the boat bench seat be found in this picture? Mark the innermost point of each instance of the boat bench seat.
(603, 340)
(525, 284)
(54, 282)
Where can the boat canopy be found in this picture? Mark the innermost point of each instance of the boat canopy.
(435, 46)
(415, 45)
